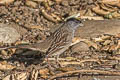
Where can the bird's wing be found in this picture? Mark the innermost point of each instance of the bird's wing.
(62, 40)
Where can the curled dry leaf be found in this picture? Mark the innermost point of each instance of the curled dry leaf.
(113, 47)
(4, 2)
(31, 3)
(118, 45)
(48, 17)
(108, 8)
(107, 42)
(101, 38)
(105, 37)
(105, 48)
(99, 11)
(44, 73)
(5, 66)
(92, 44)
(97, 39)
(117, 35)
(56, 17)
(111, 2)
(116, 14)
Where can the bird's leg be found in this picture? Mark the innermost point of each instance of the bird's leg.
(47, 56)
(57, 60)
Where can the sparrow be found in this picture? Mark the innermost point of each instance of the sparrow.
(58, 42)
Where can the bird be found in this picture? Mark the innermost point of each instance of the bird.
(58, 42)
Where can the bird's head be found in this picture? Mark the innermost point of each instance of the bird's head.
(73, 23)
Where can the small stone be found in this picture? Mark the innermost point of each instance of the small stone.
(8, 34)
(3, 52)
(117, 66)
(80, 47)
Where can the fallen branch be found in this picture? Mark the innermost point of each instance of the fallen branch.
(113, 73)
(94, 28)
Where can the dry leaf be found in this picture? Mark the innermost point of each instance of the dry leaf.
(111, 2)
(116, 14)
(97, 39)
(118, 45)
(92, 44)
(105, 37)
(5, 66)
(31, 4)
(99, 11)
(48, 17)
(107, 42)
(56, 17)
(117, 35)
(4, 2)
(44, 73)
(113, 47)
(105, 48)
(108, 8)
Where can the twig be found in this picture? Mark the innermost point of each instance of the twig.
(82, 61)
(114, 73)
(75, 61)
(62, 59)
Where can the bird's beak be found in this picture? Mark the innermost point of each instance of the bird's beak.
(73, 16)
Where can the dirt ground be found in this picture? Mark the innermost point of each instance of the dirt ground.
(34, 25)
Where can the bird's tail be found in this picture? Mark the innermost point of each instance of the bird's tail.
(18, 46)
